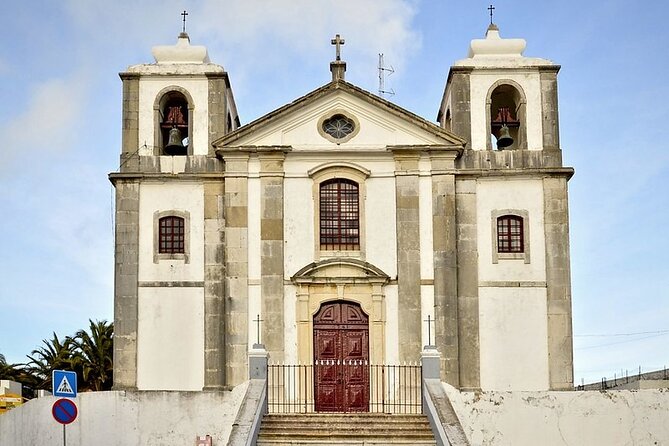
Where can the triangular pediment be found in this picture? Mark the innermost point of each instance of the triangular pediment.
(378, 124)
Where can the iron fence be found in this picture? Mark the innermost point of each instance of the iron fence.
(391, 388)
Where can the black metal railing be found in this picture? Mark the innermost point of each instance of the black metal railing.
(392, 388)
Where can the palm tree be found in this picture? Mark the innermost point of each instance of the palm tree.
(8, 371)
(53, 355)
(93, 355)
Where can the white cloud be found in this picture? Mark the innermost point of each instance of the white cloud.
(48, 122)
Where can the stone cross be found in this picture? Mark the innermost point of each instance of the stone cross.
(338, 41)
(429, 329)
(491, 8)
(184, 14)
(257, 320)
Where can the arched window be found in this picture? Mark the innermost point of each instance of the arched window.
(171, 235)
(174, 123)
(339, 215)
(506, 117)
(510, 234)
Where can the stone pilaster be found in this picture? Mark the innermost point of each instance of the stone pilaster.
(461, 121)
(126, 264)
(214, 295)
(408, 253)
(130, 121)
(549, 108)
(558, 284)
(468, 291)
(271, 247)
(218, 108)
(236, 267)
(445, 264)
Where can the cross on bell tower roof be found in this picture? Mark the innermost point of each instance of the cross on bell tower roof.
(337, 66)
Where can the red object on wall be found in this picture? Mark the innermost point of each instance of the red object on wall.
(341, 358)
(203, 441)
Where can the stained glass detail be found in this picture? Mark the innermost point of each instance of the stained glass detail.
(338, 126)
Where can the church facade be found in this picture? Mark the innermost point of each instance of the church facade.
(338, 225)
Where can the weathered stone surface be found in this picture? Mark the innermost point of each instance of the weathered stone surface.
(558, 284)
(126, 262)
(408, 259)
(467, 279)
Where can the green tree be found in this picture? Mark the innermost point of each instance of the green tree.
(92, 355)
(53, 355)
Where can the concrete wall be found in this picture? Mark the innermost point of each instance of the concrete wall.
(563, 418)
(126, 419)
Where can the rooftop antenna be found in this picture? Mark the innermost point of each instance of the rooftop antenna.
(383, 72)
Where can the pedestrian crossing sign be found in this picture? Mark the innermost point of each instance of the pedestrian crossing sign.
(64, 383)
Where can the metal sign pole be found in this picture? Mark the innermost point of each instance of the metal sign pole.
(64, 437)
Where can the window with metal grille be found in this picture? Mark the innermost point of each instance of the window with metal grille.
(171, 235)
(339, 215)
(510, 233)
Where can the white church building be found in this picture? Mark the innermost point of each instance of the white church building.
(343, 202)
(342, 237)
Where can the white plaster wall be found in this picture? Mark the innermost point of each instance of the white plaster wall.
(513, 337)
(425, 220)
(380, 224)
(427, 309)
(290, 324)
(591, 418)
(524, 194)
(377, 128)
(160, 197)
(392, 325)
(480, 83)
(197, 87)
(127, 419)
(170, 338)
(298, 221)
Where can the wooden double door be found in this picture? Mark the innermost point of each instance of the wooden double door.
(341, 358)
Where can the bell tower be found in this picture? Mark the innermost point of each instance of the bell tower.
(168, 287)
(513, 309)
(500, 100)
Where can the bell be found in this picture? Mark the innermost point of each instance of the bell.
(174, 145)
(504, 139)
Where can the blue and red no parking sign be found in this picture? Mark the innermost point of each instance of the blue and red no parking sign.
(64, 411)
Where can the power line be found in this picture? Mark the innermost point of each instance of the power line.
(623, 342)
(622, 334)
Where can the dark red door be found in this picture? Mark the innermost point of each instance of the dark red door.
(341, 358)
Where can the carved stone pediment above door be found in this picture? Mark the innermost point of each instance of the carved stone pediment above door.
(338, 280)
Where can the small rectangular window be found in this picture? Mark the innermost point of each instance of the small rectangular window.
(171, 235)
(510, 234)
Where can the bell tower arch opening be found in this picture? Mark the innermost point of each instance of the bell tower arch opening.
(174, 111)
(506, 116)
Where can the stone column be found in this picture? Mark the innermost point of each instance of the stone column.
(236, 266)
(218, 108)
(549, 107)
(468, 289)
(445, 264)
(408, 252)
(126, 265)
(461, 123)
(271, 247)
(130, 118)
(558, 284)
(214, 295)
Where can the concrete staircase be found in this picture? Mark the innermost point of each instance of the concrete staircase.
(345, 429)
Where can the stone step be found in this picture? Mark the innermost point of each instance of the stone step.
(345, 429)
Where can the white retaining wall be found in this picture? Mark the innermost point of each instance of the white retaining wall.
(118, 418)
(590, 418)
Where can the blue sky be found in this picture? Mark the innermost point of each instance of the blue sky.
(60, 118)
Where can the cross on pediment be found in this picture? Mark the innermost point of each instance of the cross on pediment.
(338, 41)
